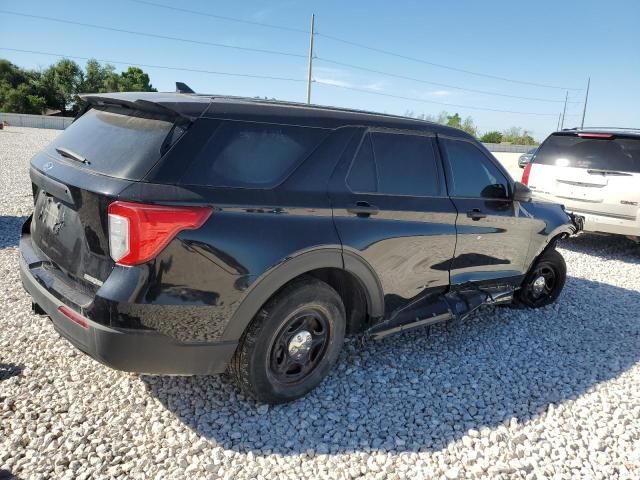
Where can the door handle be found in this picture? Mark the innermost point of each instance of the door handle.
(363, 209)
(476, 214)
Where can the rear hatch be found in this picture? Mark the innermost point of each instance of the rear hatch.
(80, 173)
(593, 173)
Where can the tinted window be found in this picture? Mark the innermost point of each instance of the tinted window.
(621, 154)
(115, 144)
(258, 155)
(472, 173)
(363, 176)
(395, 164)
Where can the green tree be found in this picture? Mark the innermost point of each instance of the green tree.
(98, 78)
(469, 127)
(58, 86)
(135, 80)
(19, 90)
(61, 83)
(454, 121)
(491, 137)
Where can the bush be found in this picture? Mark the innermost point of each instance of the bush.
(491, 137)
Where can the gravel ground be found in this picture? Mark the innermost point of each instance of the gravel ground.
(552, 393)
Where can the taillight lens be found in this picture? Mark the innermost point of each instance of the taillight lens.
(525, 174)
(138, 232)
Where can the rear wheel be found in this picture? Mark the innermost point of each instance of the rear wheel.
(292, 343)
(544, 283)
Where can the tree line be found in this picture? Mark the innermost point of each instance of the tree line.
(514, 135)
(56, 88)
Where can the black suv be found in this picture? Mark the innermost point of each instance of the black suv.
(189, 234)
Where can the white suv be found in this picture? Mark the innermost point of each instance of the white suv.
(594, 173)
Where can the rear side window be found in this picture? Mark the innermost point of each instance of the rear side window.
(473, 175)
(619, 154)
(117, 144)
(395, 164)
(252, 155)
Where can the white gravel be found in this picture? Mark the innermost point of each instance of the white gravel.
(553, 393)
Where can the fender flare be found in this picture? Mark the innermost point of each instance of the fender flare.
(267, 284)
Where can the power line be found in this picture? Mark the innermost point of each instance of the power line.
(220, 17)
(164, 67)
(395, 75)
(439, 65)
(359, 45)
(415, 99)
(154, 35)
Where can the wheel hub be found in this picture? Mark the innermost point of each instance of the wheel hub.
(300, 344)
(538, 285)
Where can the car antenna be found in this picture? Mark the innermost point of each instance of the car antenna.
(182, 87)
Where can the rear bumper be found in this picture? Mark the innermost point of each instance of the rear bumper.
(139, 351)
(608, 224)
(596, 221)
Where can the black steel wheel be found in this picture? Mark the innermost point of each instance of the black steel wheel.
(544, 282)
(300, 345)
(292, 344)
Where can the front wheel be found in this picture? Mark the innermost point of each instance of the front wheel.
(544, 282)
(292, 343)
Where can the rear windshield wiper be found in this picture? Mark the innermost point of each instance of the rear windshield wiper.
(65, 152)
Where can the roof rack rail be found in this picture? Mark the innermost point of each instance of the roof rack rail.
(611, 128)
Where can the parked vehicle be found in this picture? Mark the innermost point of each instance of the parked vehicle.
(595, 173)
(188, 234)
(525, 158)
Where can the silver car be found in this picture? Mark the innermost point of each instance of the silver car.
(526, 157)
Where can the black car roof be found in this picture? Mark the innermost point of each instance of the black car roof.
(220, 106)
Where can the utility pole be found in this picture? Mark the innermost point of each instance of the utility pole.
(586, 98)
(564, 110)
(310, 72)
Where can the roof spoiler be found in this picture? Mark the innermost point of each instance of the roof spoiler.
(138, 104)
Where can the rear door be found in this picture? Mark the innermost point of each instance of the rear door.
(391, 209)
(593, 173)
(79, 174)
(493, 239)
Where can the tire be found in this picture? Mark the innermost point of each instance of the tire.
(276, 361)
(550, 266)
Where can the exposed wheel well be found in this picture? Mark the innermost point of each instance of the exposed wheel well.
(351, 292)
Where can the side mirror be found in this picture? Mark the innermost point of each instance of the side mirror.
(521, 193)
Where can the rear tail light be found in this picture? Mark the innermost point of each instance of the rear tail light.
(138, 232)
(525, 174)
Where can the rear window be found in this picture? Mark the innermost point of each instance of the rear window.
(252, 155)
(618, 154)
(117, 144)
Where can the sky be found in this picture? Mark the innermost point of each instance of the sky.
(544, 48)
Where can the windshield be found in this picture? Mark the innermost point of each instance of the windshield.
(116, 144)
(616, 154)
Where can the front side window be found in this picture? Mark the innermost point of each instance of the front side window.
(473, 175)
(395, 164)
(253, 155)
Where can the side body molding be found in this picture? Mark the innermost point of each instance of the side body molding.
(298, 264)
